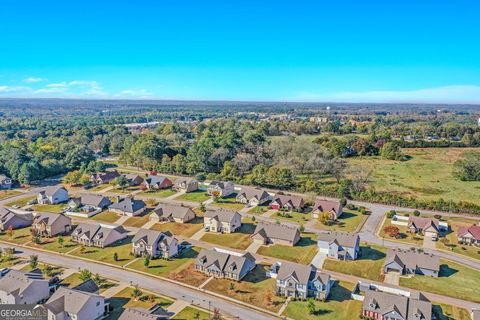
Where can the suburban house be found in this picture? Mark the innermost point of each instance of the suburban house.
(66, 303)
(5, 182)
(339, 245)
(134, 179)
(287, 202)
(89, 202)
(411, 262)
(469, 235)
(300, 281)
(389, 305)
(220, 188)
(186, 184)
(154, 244)
(17, 287)
(53, 195)
(224, 264)
(475, 313)
(138, 313)
(266, 233)
(98, 235)
(128, 207)
(104, 177)
(172, 213)
(426, 226)
(51, 224)
(333, 207)
(224, 221)
(14, 220)
(157, 182)
(253, 196)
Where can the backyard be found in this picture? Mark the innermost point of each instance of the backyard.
(292, 216)
(121, 248)
(21, 202)
(349, 221)
(454, 280)
(369, 265)
(303, 252)
(195, 196)
(180, 229)
(403, 235)
(52, 208)
(137, 221)
(106, 216)
(448, 312)
(229, 203)
(238, 240)
(338, 306)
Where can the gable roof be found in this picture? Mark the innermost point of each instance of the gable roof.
(283, 199)
(69, 300)
(422, 223)
(276, 231)
(106, 176)
(250, 193)
(299, 272)
(224, 261)
(175, 211)
(96, 232)
(343, 239)
(186, 180)
(413, 259)
(150, 237)
(220, 184)
(128, 205)
(50, 218)
(152, 180)
(87, 286)
(17, 282)
(94, 200)
(155, 313)
(51, 190)
(6, 215)
(324, 205)
(222, 215)
(474, 230)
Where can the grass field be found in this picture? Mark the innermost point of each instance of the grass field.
(348, 221)
(369, 265)
(52, 244)
(258, 210)
(180, 229)
(20, 202)
(74, 280)
(19, 236)
(303, 252)
(4, 194)
(159, 193)
(122, 248)
(255, 288)
(455, 280)
(229, 203)
(237, 240)
(404, 236)
(52, 208)
(189, 313)
(195, 196)
(123, 300)
(448, 312)
(297, 217)
(106, 216)
(126, 190)
(339, 306)
(427, 175)
(137, 221)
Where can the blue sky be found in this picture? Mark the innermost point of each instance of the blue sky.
(389, 51)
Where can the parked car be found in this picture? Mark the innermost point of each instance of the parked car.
(31, 202)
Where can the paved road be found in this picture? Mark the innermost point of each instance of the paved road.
(175, 291)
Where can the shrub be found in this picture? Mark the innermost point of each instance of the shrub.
(391, 214)
(416, 213)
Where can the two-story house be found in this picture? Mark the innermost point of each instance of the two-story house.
(51, 224)
(333, 207)
(223, 264)
(300, 281)
(186, 185)
(17, 287)
(53, 195)
(154, 244)
(98, 235)
(339, 245)
(220, 188)
(222, 221)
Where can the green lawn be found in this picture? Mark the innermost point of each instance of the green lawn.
(255, 288)
(52, 244)
(303, 252)
(159, 193)
(258, 210)
(20, 202)
(455, 280)
(55, 271)
(297, 217)
(195, 196)
(7, 263)
(126, 190)
(99, 187)
(229, 203)
(348, 221)
(4, 194)
(106, 216)
(19, 236)
(238, 240)
(189, 313)
(122, 248)
(162, 267)
(137, 221)
(404, 235)
(53, 208)
(450, 242)
(448, 312)
(339, 306)
(123, 300)
(369, 265)
(427, 175)
(180, 229)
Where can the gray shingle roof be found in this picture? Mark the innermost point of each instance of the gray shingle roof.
(175, 211)
(128, 205)
(283, 199)
(17, 282)
(224, 261)
(342, 238)
(222, 215)
(50, 218)
(250, 193)
(220, 184)
(99, 232)
(144, 314)
(300, 272)
(413, 259)
(153, 180)
(422, 223)
(276, 231)
(51, 190)
(94, 200)
(151, 236)
(69, 300)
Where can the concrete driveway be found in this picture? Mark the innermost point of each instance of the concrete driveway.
(428, 243)
(392, 278)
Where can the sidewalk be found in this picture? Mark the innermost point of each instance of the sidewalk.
(177, 306)
(148, 225)
(197, 236)
(121, 220)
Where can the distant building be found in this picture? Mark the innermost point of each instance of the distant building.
(172, 213)
(5, 182)
(157, 182)
(223, 221)
(220, 188)
(53, 195)
(411, 262)
(253, 196)
(98, 235)
(134, 179)
(287, 202)
(333, 207)
(104, 177)
(186, 184)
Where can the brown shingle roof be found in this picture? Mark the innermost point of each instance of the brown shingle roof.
(342, 238)
(277, 231)
(413, 259)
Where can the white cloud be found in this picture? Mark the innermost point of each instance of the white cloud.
(62, 84)
(34, 79)
(134, 93)
(446, 94)
(14, 89)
